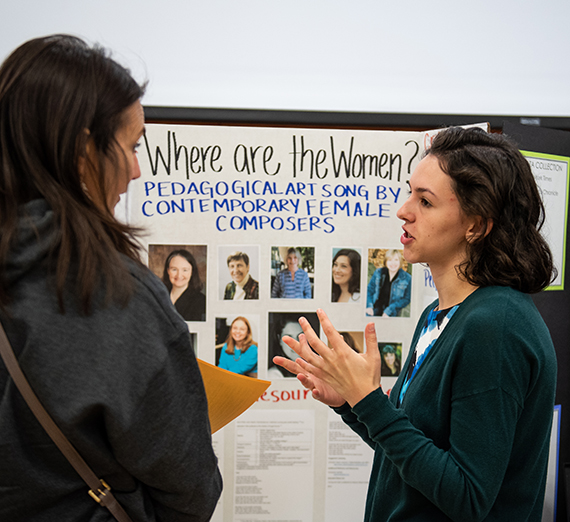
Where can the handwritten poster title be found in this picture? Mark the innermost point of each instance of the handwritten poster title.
(304, 194)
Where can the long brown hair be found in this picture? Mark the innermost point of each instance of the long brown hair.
(247, 342)
(56, 93)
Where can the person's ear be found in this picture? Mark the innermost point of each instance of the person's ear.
(479, 228)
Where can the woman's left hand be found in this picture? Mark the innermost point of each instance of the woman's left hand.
(352, 375)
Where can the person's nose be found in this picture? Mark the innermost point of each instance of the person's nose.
(404, 212)
(136, 169)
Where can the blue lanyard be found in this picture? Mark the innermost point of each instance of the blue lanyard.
(434, 320)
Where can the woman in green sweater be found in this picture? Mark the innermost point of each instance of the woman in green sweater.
(457, 439)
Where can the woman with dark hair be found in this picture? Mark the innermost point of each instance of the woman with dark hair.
(346, 276)
(457, 439)
(182, 280)
(239, 352)
(390, 362)
(91, 326)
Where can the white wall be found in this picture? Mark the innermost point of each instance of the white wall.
(490, 57)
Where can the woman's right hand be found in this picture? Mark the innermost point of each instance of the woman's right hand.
(321, 391)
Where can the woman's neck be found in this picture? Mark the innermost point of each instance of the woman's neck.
(451, 289)
(239, 345)
(344, 296)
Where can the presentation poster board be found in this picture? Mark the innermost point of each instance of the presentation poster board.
(319, 204)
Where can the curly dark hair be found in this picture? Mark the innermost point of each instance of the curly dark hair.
(493, 180)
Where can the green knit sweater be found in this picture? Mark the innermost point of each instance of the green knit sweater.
(470, 441)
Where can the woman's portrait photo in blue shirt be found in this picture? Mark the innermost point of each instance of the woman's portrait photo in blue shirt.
(292, 272)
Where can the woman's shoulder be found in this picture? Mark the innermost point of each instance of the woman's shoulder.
(146, 281)
(195, 293)
(493, 300)
(501, 311)
(501, 326)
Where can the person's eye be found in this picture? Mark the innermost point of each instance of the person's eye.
(424, 202)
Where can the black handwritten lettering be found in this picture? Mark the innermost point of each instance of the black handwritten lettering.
(196, 159)
(342, 159)
(154, 166)
(416, 152)
(245, 161)
(360, 165)
(314, 160)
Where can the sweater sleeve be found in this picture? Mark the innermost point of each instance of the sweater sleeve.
(461, 480)
(350, 419)
(461, 465)
(156, 415)
(164, 439)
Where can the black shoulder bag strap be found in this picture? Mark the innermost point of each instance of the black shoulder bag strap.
(99, 490)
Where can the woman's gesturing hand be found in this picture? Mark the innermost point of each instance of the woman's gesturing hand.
(321, 391)
(337, 373)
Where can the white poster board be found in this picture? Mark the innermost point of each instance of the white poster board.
(214, 190)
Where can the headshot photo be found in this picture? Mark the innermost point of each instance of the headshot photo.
(391, 354)
(292, 272)
(389, 284)
(239, 272)
(182, 269)
(345, 284)
(279, 325)
(355, 340)
(236, 348)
